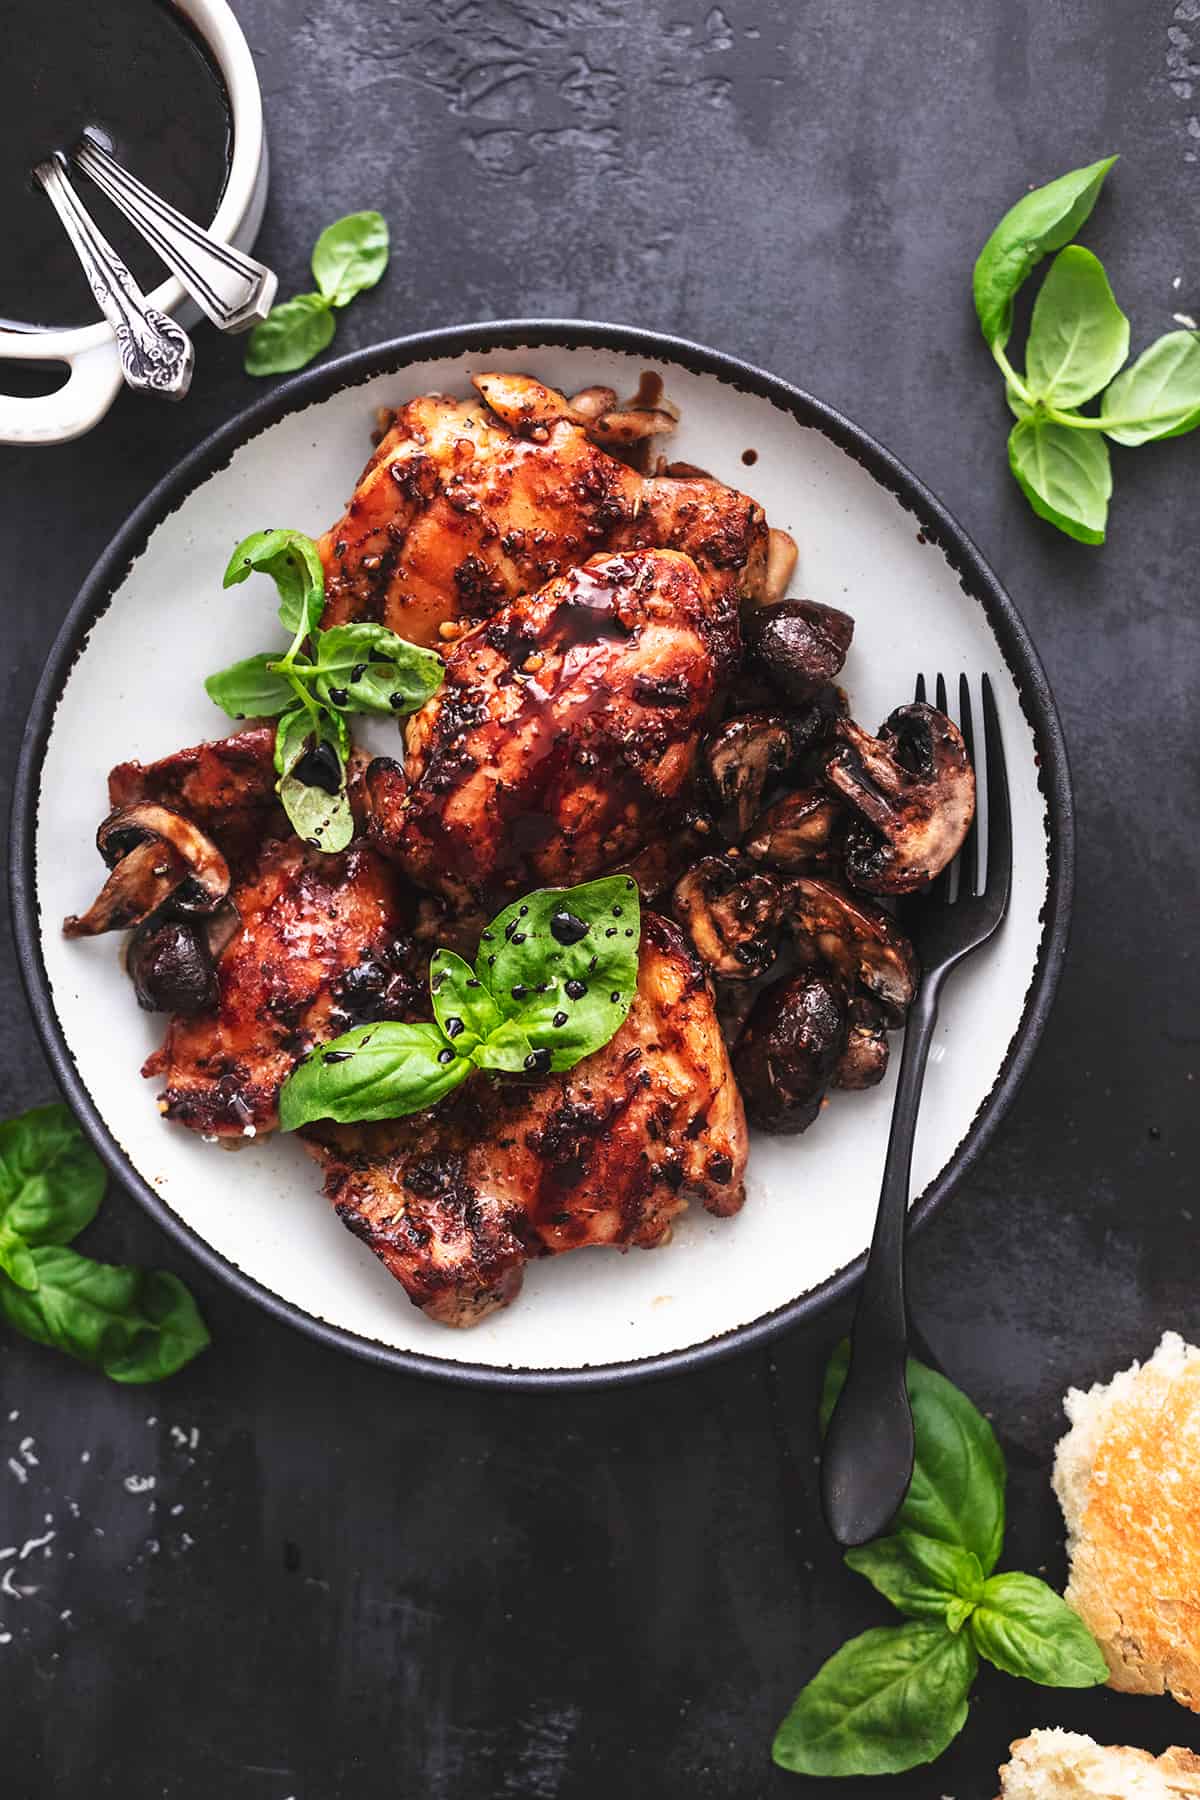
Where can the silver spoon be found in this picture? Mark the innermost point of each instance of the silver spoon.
(156, 353)
(230, 288)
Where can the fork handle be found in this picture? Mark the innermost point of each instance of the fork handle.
(867, 1462)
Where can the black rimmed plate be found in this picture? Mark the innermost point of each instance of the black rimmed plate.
(124, 679)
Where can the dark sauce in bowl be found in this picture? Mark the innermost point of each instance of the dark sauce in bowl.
(139, 74)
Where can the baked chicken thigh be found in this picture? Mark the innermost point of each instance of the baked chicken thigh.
(467, 504)
(319, 946)
(564, 736)
(456, 1201)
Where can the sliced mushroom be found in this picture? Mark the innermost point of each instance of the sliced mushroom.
(788, 1051)
(731, 915)
(171, 967)
(856, 939)
(863, 1063)
(625, 426)
(914, 791)
(156, 855)
(797, 644)
(800, 833)
(781, 564)
(661, 862)
(590, 403)
(740, 760)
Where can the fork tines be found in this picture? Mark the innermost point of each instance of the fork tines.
(983, 867)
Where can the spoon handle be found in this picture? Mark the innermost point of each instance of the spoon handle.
(156, 354)
(230, 288)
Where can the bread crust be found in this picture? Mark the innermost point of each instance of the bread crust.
(1065, 1765)
(1127, 1476)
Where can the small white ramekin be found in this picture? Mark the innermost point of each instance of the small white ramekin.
(90, 351)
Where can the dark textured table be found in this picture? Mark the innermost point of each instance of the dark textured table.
(288, 1574)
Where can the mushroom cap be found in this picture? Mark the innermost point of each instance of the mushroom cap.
(863, 1063)
(859, 941)
(798, 645)
(789, 1048)
(156, 856)
(731, 914)
(741, 759)
(171, 967)
(801, 832)
(913, 789)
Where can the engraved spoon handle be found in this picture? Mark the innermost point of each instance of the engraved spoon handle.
(230, 288)
(156, 354)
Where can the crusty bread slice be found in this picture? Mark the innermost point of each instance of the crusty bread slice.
(1127, 1476)
(1064, 1765)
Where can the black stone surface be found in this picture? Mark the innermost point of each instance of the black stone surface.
(346, 1585)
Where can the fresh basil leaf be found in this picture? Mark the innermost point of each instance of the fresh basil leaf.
(350, 255)
(367, 668)
(16, 1258)
(1159, 395)
(921, 1576)
(251, 689)
(290, 336)
(1026, 1629)
(563, 964)
(1064, 474)
(1040, 222)
(506, 1050)
(462, 1006)
(292, 734)
(134, 1324)
(324, 820)
(958, 1611)
(319, 810)
(51, 1180)
(957, 1490)
(294, 564)
(885, 1702)
(1078, 337)
(1016, 406)
(382, 1071)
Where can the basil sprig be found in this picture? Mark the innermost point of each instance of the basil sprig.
(895, 1697)
(1078, 341)
(349, 256)
(553, 981)
(321, 678)
(134, 1324)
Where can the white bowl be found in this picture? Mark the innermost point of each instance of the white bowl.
(125, 680)
(90, 351)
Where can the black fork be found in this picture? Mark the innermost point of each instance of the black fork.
(868, 1455)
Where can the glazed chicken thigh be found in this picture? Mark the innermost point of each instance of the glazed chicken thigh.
(564, 736)
(226, 787)
(318, 947)
(467, 504)
(457, 1200)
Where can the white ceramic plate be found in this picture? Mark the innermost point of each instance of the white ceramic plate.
(125, 680)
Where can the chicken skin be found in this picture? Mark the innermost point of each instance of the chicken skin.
(467, 504)
(564, 736)
(456, 1200)
(319, 947)
(226, 787)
